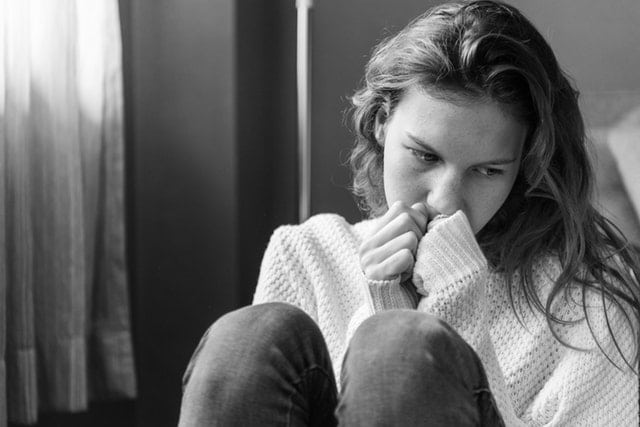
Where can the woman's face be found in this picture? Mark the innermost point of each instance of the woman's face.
(451, 156)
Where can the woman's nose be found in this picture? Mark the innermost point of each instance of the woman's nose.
(445, 196)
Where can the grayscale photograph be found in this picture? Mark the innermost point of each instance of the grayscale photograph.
(319, 213)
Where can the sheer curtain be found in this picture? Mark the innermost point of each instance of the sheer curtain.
(64, 310)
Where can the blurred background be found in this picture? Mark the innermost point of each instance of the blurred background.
(209, 158)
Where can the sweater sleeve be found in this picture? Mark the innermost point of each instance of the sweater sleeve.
(451, 273)
(390, 294)
(381, 295)
(282, 276)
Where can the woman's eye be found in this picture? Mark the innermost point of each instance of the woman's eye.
(424, 156)
(490, 171)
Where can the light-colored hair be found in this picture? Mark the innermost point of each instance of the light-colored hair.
(487, 50)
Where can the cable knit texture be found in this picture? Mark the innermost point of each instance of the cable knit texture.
(535, 380)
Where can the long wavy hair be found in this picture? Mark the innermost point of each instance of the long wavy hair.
(487, 50)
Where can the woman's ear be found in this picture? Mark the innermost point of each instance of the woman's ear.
(380, 124)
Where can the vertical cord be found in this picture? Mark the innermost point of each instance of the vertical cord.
(304, 109)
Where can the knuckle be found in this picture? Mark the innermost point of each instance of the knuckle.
(363, 249)
(405, 219)
(406, 255)
(389, 270)
(412, 239)
(396, 265)
(365, 260)
(422, 220)
(395, 206)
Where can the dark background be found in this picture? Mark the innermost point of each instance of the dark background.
(211, 149)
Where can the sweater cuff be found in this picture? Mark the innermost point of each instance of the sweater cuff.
(448, 253)
(389, 295)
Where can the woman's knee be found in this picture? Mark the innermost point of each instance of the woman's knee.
(405, 364)
(253, 362)
(415, 335)
(269, 318)
(404, 328)
(242, 341)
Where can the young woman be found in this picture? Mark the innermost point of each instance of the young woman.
(520, 304)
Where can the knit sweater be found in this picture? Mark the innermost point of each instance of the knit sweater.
(535, 379)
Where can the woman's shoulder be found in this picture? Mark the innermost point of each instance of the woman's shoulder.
(323, 229)
(324, 249)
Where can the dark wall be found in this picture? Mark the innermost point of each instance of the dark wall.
(210, 173)
(182, 128)
(265, 143)
(597, 42)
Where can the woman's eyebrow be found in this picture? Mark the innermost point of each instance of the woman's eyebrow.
(499, 161)
(422, 143)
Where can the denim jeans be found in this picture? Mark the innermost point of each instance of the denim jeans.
(268, 365)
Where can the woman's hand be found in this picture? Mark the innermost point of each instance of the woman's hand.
(390, 249)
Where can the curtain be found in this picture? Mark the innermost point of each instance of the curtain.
(64, 312)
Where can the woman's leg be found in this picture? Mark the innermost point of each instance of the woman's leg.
(410, 368)
(261, 365)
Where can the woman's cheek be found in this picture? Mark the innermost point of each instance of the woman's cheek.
(401, 182)
(490, 204)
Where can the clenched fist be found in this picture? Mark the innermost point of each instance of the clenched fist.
(390, 248)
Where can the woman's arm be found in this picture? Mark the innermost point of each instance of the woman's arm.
(282, 276)
(585, 388)
(450, 273)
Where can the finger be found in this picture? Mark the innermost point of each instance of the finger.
(418, 212)
(420, 215)
(394, 210)
(398, 226)
(377, 255)
(393, 266)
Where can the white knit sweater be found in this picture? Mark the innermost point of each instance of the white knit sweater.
(535, 379)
